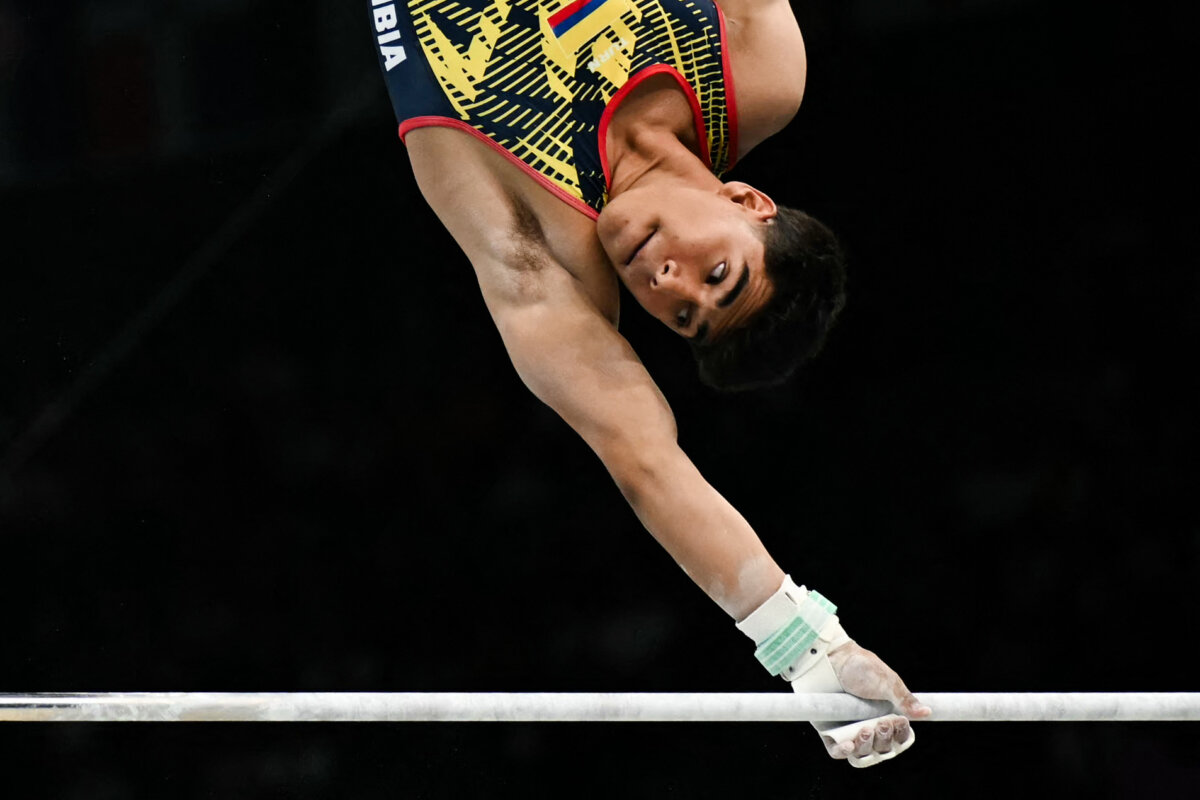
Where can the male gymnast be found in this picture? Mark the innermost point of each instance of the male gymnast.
(570, 146)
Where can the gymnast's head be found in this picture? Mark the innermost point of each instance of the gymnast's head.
(753, 286)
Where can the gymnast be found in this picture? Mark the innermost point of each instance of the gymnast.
(570, 147)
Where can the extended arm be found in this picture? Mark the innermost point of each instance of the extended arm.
(573, 359)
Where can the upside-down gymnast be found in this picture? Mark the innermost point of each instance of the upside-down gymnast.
(567, 146)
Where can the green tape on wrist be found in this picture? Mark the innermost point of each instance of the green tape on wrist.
(784, 647)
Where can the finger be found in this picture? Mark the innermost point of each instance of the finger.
(864, 742)
(883, 736)
(901, 731)
(839, 750)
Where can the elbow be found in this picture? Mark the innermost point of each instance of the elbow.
(641, 468)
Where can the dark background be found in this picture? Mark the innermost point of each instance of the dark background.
(257, 432)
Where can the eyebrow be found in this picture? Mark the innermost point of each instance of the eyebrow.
(733, 293)
(727, 300)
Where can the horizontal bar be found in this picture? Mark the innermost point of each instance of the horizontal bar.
(583, 707)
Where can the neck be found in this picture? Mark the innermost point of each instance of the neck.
(651, 140)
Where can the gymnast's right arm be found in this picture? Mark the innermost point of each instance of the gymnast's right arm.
(573, 359)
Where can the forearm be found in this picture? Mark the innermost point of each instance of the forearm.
(699, 528)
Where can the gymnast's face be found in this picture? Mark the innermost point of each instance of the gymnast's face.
(694, 260)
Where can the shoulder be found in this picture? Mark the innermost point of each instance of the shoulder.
(770, 66)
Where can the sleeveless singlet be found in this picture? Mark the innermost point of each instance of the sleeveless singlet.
(538, 80)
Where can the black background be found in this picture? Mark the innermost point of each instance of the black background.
(257, 432)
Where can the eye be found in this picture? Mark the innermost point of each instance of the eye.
(718, 273)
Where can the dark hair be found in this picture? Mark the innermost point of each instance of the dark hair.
(807, 270)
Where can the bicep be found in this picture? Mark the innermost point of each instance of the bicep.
(564, 348)
(574, 360)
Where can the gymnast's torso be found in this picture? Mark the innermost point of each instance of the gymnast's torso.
(539, 80)
(510, 100)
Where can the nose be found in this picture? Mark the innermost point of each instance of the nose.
(673, 281)
(667, 276)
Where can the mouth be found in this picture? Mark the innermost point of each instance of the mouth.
(638, 249)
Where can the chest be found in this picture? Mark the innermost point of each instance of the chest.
(537, 77)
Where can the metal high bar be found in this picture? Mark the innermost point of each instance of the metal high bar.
(584, 707)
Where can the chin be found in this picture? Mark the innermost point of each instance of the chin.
(638, 300)
(607, 229)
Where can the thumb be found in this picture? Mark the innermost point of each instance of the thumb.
(862, 673)
(907, 704)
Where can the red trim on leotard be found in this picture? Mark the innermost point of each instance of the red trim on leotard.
(730, 94)
(448, 122)
(630, 85)
(606, 118)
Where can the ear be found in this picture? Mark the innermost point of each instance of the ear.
(754, 201)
